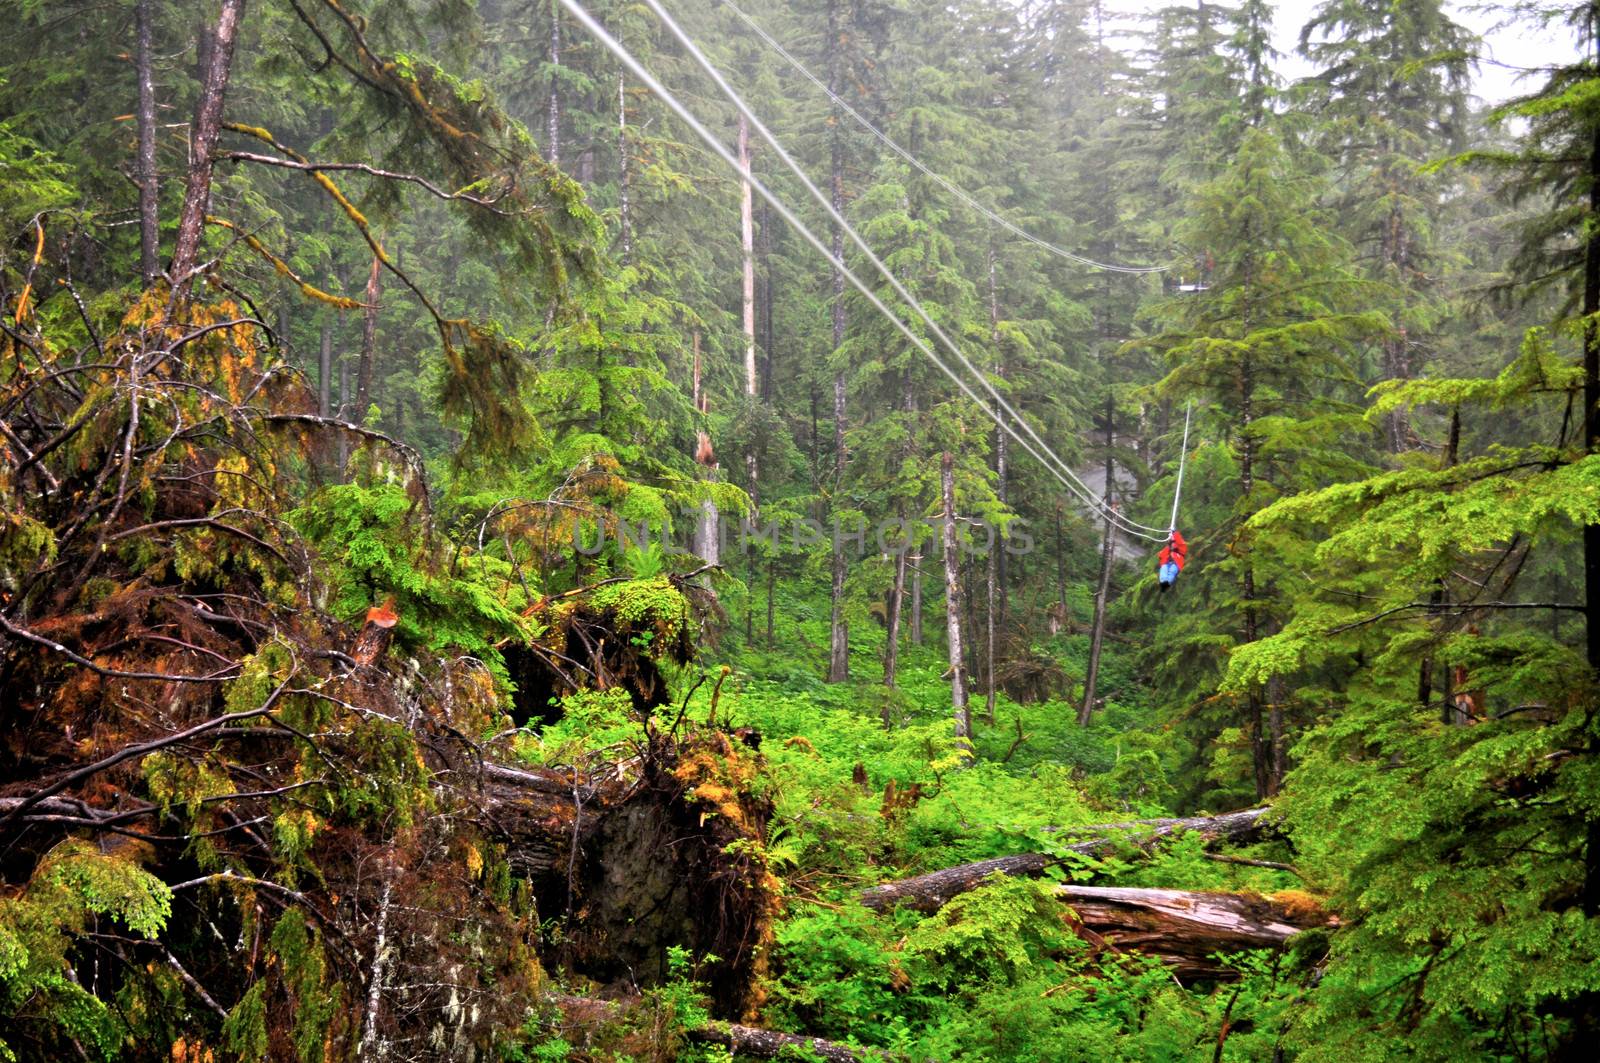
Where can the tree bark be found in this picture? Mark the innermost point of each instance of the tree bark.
(891, 647)
(747, 256)
(1061, 569)
(707, 533)
(1107, 557)
(325, 367)
(553, 116)
(989, 622)
(930, 892)
(838, 631)
(369, 339)
(1186, 929)
(767, 343)
(372, 641)
(952, 602)
(371, 1047)
(146, 175)
(1002, 444)
(995, 574)
(624, 222)
(916, 597)
(1264, 741)
(203, 141)
(344, 413)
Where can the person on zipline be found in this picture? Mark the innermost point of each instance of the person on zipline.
(1170, 561)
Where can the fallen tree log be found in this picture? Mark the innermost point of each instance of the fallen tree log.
(930, 892)
(1186, 929)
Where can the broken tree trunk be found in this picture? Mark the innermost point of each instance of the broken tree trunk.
(375, 635)
(641, 857)
(1187, 929)
(930, 892)
(203, 141)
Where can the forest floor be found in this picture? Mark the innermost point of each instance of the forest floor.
(1005, 971)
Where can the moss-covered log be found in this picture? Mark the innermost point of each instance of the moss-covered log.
(930, 892)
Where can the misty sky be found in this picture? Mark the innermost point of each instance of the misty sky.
(1517, 46)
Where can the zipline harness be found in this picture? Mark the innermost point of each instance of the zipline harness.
(1176, 551)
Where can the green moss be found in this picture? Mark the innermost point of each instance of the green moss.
(644, 606)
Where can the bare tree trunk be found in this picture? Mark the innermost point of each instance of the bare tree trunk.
(891, 648)
(1278, 751)
(207, 128)
(747, 251)
(624, 222)
(1061, 569)
(149, 203)
(767, 344)
(952, 602)
(281, 326)
(838, 630)
(1107, 557)
(1437, 599)
(325, 367)
(553, 118)
(989, 618)
(1185, 930)
(1002, 444)
(369, 339)
(707, 533)
(696, 396)
(916, 597)
(371, 1047)
(344, 412)
(772, 582)
(1396, 253)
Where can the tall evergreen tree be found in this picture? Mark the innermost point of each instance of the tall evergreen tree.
(1391, 95)
(1262, 349)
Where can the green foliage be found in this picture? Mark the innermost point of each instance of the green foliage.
(32, 181)
(1379, 597)
(40, 1000)
(377, 543)
(316, 998)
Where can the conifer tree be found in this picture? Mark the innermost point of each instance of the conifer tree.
(1265, 349)
(1390, 96)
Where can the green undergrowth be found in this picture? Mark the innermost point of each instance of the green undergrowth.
(869, 785)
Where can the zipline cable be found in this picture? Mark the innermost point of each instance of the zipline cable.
(1183, 456)
(943, 182)
(595, 29)
(844, 225)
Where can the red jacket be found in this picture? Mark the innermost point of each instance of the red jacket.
(1176, 551)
